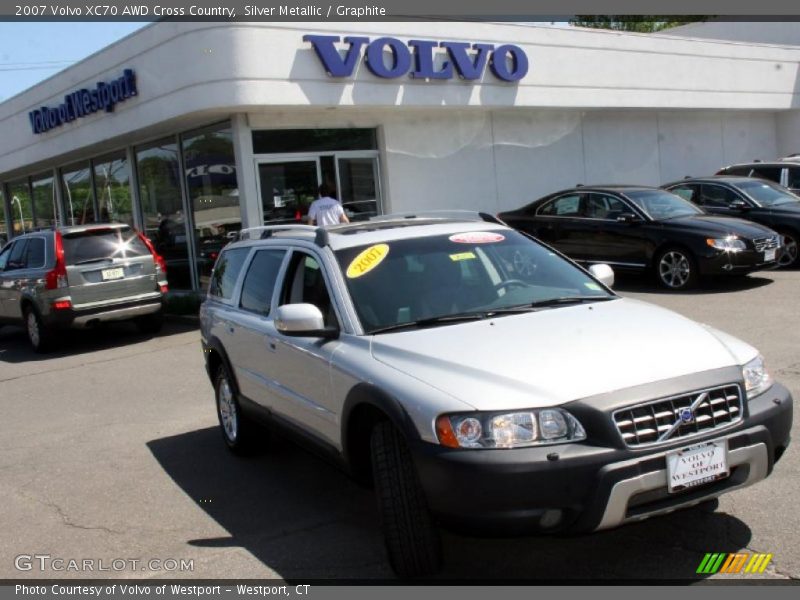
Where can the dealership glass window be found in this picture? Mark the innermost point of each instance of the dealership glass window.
(19, 197)
(44, 200)
(76, 185)
(164, 221)
(3, 221)
(210, 167)
(112, 188)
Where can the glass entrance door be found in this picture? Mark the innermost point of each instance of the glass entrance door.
(287, 188)
(358, 185)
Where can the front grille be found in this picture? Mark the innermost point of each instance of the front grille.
(767, 243)
(660, 421)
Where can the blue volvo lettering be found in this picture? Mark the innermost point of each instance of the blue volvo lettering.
(507, 62)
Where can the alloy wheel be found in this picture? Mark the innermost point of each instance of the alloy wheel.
(789, 255)
(674, 269)
(32, 324)
(227, 410)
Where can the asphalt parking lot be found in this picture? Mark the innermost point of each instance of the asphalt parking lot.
(109, 450)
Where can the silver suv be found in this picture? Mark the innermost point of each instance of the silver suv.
(78, 277)
(481, 380)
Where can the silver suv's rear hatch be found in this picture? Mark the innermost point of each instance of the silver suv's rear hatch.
(108, 264)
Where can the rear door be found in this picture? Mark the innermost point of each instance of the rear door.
(108, 265)
(561, 223)
(613, 242)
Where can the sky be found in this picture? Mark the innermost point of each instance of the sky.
(31, 52)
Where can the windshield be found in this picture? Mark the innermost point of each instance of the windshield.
(767, 194)
(660, 205)
(468, 275)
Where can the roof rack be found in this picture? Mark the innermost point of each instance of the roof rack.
(266, 231)
(446, 215)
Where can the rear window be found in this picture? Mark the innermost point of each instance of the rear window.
(102, 244)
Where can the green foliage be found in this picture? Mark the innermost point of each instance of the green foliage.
(637, 23)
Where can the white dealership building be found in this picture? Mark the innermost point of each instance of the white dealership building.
(192, 130)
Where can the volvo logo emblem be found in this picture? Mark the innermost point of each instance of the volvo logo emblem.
(686, 415)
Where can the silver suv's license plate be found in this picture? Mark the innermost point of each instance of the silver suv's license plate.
(697, 465)
(109, 274)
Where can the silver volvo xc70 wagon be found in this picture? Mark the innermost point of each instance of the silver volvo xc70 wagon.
(479, 378)
(78, 277)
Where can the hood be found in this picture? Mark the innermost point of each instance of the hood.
(792, 209)
(721, 226)
(557, 355)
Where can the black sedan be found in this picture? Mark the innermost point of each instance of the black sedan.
(756, 200)
(642, 228)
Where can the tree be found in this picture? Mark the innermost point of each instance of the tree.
(638, 23)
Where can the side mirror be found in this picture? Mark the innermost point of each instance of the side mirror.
(627, 218)
(303, 320)
(604, 273)
(739, 205)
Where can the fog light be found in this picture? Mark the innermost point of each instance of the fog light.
(551, 518)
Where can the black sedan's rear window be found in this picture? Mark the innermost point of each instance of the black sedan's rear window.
(101, 244)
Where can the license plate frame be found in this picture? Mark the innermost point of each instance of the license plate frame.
(769, 255)
(697, 465)
(113, 274)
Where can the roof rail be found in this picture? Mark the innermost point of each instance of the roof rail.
(449, 215)
(792, 157)
(266, 231)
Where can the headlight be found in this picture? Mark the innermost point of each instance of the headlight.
(757, 379)
(729, 244)
(509, 430)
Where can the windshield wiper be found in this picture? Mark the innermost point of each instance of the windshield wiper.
(93, 260)
(563, 300)
(443, 319)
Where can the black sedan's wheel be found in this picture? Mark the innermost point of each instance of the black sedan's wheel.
(412, 539)
(237, 430)
(676, 269)
(789, 255)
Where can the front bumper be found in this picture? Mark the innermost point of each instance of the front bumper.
(582, 487)
(718, 262)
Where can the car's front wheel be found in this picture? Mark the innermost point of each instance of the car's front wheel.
(676, 269)
(411, 536)
(790, 254)
(237, 430)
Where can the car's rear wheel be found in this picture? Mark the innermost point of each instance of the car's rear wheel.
(790, 254)
(237, 430)
(40, 336)
(676, 269)
(411, 536)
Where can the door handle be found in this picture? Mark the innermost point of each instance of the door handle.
(271, 344)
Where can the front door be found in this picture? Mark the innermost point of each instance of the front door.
(287, 188)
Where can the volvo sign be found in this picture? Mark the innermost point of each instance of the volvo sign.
(417, 58)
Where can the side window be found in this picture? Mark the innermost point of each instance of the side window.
(305, 283)
(259, 282)
(17, 258)
(35, 258)
(770, 173)
(226, 272)
(602, 206)
(717, 196)
(687, 192)
(4, 256)
(794, 178)
(565, 206)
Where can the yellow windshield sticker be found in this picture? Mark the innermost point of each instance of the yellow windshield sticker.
(593, 286)
(462, 256)
(367, 260)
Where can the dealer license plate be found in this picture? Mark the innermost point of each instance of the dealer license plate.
(769, 255)
(109, 274)
(697, 465)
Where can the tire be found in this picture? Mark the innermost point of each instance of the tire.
(237, 430)
(411, 536)
(676, 269)
(151, 323)
(40, 336)
(790, 257)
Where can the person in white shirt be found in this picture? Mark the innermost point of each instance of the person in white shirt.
(326, 210)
